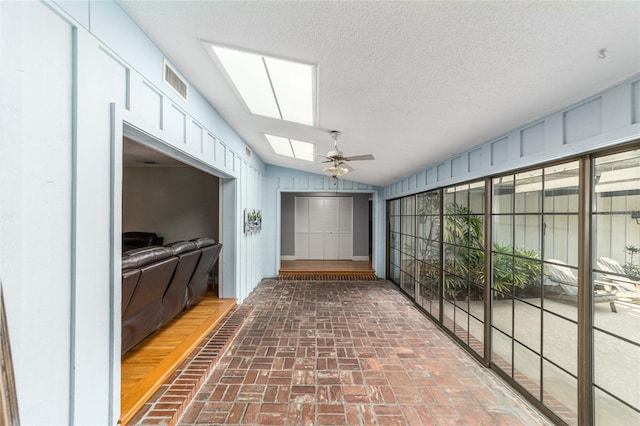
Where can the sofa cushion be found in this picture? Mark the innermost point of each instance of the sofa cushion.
(143, 256)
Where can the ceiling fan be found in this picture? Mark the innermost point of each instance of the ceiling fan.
(339, 160)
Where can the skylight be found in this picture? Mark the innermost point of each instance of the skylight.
(291, 147)
(269, 86)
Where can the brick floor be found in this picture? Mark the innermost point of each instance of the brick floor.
(348, 353)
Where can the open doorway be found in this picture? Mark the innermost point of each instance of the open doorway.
(173, 209)
(325, 233)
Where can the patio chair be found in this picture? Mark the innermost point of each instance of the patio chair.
(617, 277)
(561, 283)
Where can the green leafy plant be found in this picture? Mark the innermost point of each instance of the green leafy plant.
(514, 269)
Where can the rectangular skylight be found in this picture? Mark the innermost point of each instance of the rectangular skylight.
(269, 86)
(291, 148)
(302, 150)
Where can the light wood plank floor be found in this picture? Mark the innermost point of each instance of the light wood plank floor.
(146, 367)
(325, 266)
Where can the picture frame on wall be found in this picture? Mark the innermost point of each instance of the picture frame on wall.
(252, 220)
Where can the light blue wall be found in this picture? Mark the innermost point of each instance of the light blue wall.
(605, 120)
(360, 221)
(82, 75)
(278, 180)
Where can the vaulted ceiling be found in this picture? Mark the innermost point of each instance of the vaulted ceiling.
(412, 83)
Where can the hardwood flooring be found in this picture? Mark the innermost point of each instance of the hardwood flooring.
(146, 367)
(325, 267)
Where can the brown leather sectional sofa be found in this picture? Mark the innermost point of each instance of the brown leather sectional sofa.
(160, 282)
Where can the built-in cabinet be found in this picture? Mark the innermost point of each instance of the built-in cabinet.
(324, 228)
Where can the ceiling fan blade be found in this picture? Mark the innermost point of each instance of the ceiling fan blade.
(360, 157)
(328, 160)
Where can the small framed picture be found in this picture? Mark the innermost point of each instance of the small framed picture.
(252, 220)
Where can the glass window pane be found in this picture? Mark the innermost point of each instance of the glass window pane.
(409, 205)
(561, 288)
(561, 238)
(476, 335)
(503, 192)
(502, 315)
(526, 369)
(408, 225)
(560, 392)
(476, 197)
(561, 188)
(449, 198)
(528, 192)
(527, 321)
(502, 354)
(503, 231)
(448, 314)
(616, 367)
(476, 271)
(560, 342)
(609, 411)
(476, 302)
(462, 326)
(528, 276)
(528, 233)
(503, 273)
(461, 195)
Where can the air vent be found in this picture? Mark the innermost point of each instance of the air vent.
(175, 81)
(247, 151)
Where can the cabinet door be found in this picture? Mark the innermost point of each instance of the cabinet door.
(331, 246)
(316, 246)
(324, 228)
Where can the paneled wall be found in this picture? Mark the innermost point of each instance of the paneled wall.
(279, 180)
(360, 222)
(604, 120)
(76, 77)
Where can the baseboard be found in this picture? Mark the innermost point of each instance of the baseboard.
(288, 258)
(359, 258)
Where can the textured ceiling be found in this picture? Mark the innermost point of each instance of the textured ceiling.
(412, 83)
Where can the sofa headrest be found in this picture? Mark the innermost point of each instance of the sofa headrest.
(180, 247)
(204, 242)
(133, 237)
(143, 256)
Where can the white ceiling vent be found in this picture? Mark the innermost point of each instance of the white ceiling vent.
(175, 80)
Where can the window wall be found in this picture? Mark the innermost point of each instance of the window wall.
(555, 297)
(616, 274)
(464, 263)
(393, 242)
(535, 283)
(428, 247)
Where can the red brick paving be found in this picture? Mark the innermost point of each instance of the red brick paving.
(348, 353)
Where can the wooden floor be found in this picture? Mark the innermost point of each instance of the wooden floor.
(147, 366)
(325, 267)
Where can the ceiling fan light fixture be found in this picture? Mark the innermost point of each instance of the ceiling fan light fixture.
(336, 171)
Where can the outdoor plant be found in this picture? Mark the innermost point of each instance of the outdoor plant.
(518, 272)
(514, 269)
(630, 267)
